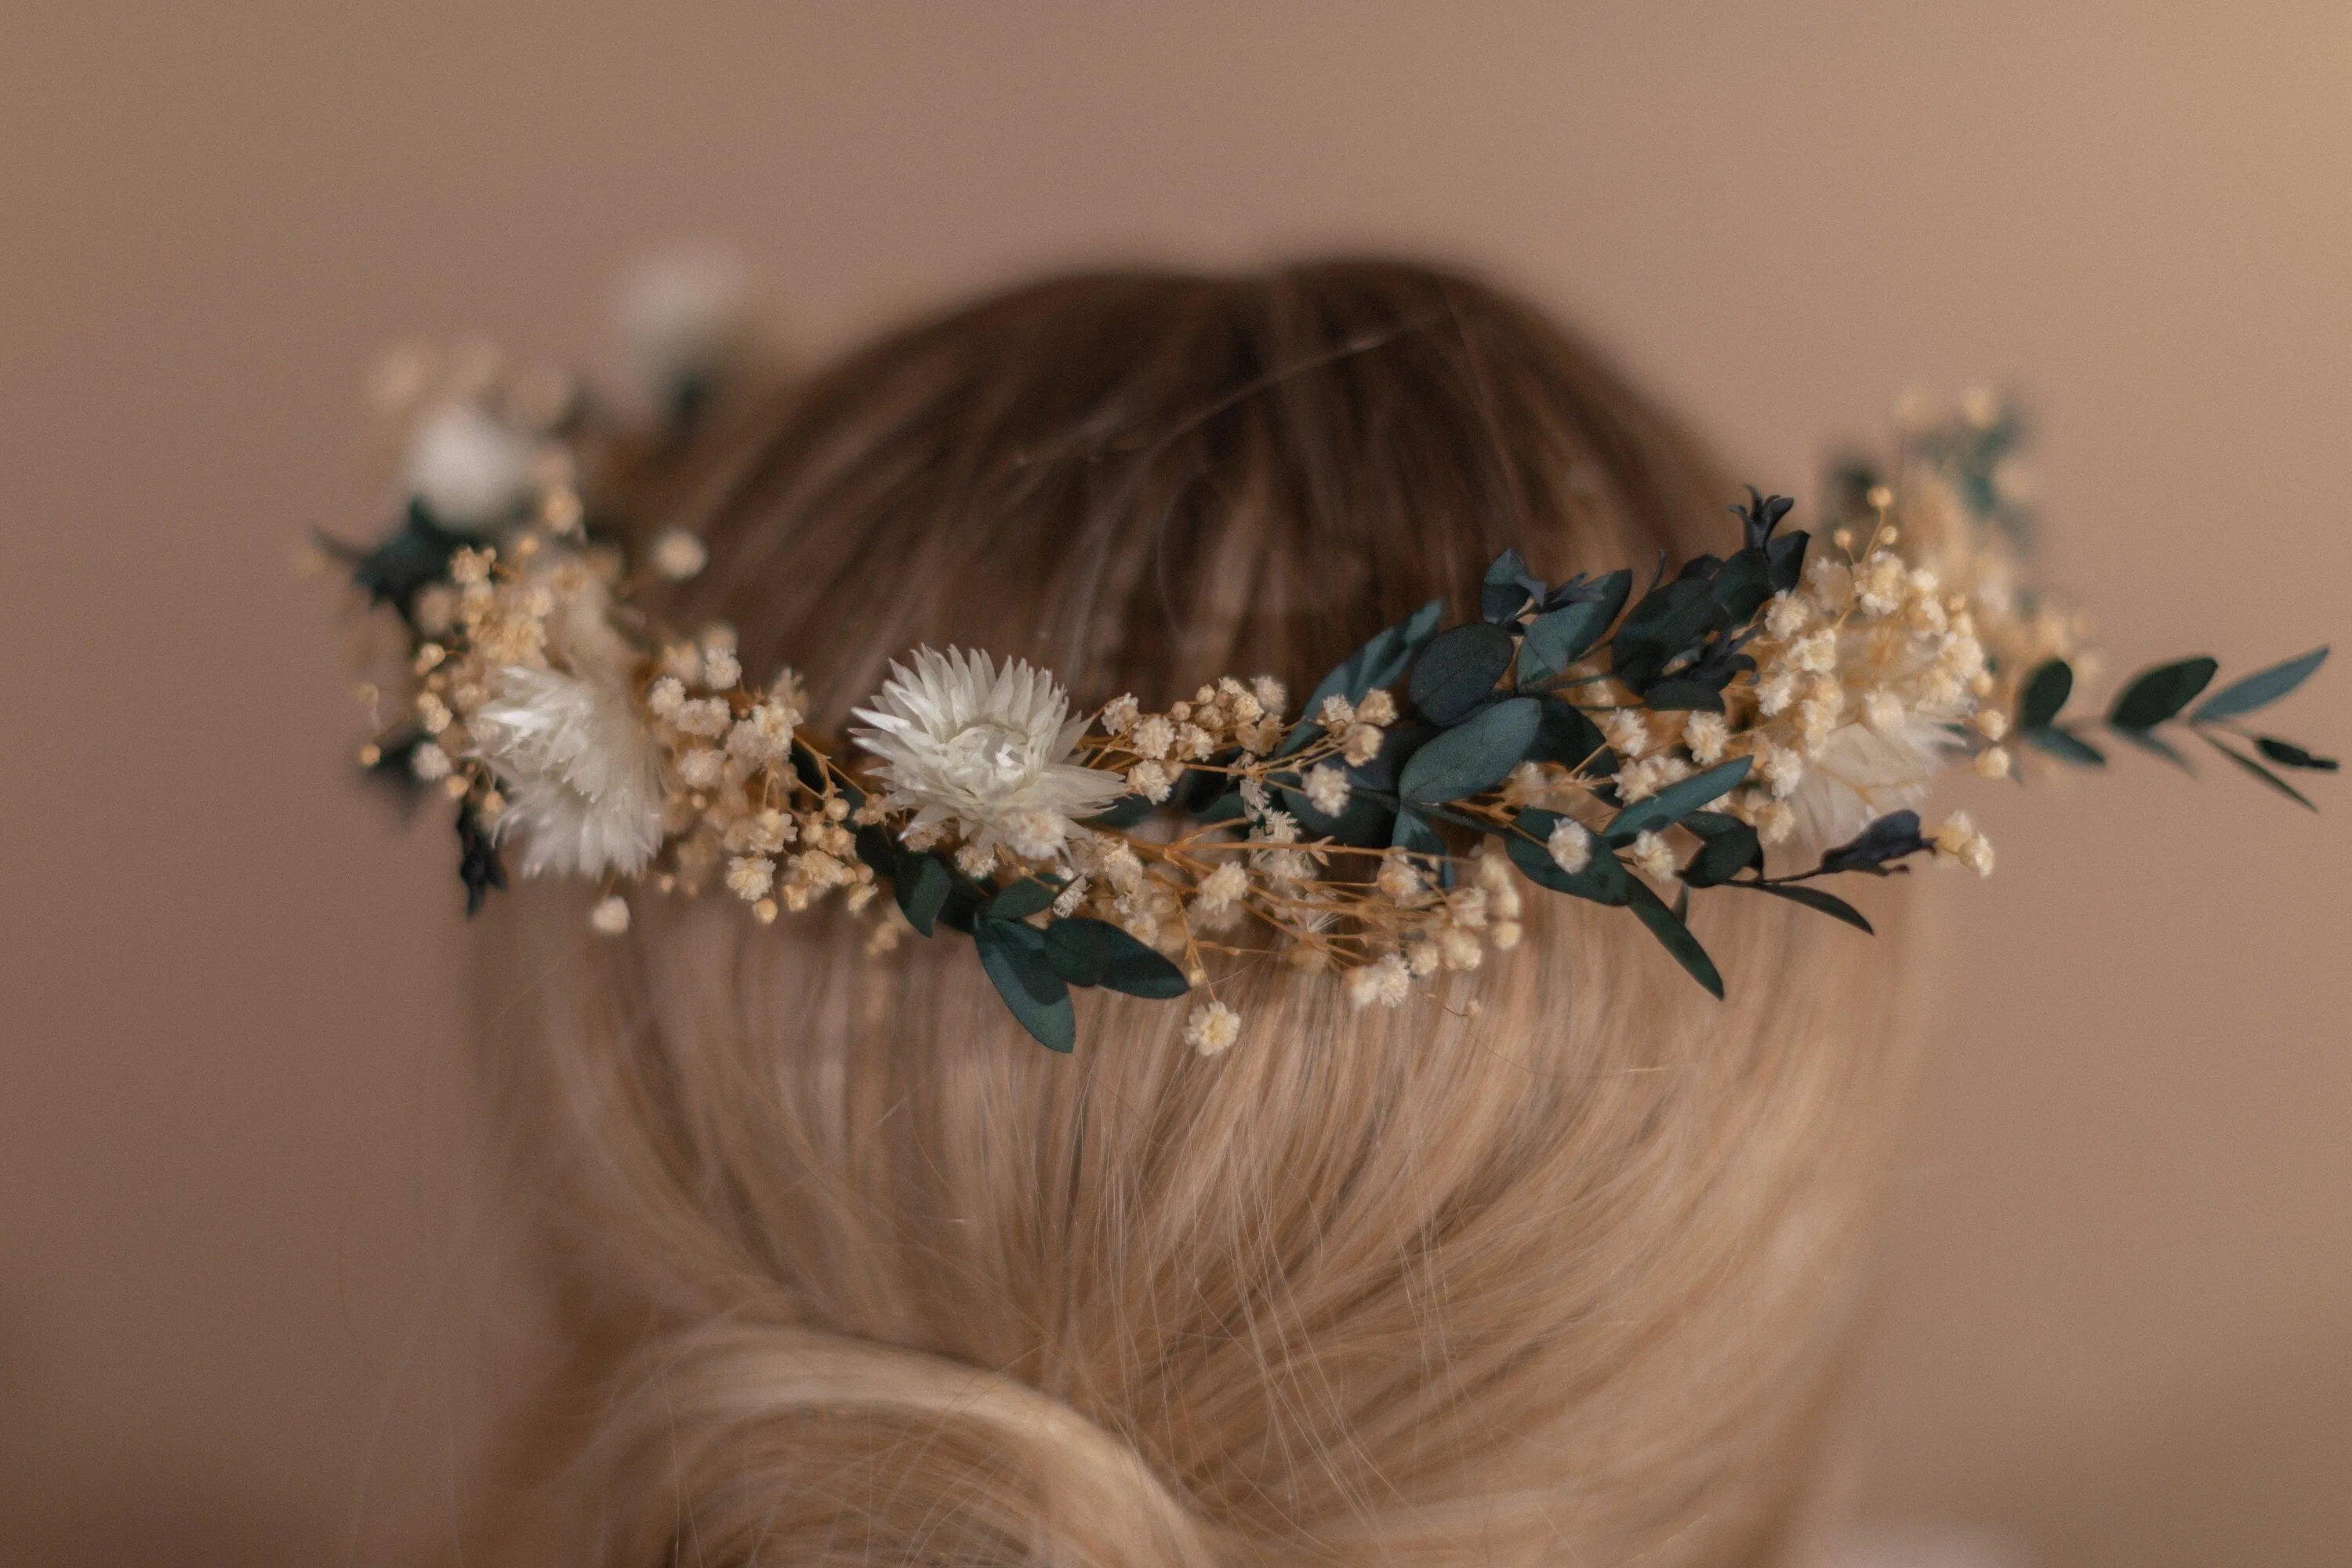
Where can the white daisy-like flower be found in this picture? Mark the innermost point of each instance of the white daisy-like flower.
(583, 777)
(470, 471)
(966, 743)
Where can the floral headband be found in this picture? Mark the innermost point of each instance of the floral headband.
(1759, 721)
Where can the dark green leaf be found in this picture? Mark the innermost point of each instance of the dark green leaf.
(1095, 952)
(415, 556)
(1786, 555)
(1726, 847)
(2288, 754)
(1014, 955)
(1019, 901)
(1603, 880)
(1677, 695)
(1568, 737)
(1503, 594)
(2046, 690)
(2260, 772)
(1668, 623)
(1890, 838)
(1675, 935)
(478, 867)
(1380, 662)
(1125, 812)
(2064, 745)
(2156, 745)
(1829, 904)
(1677, 801)
(1459, 669)
(2259, 690)
(2158, 694)
(1742, 586)
(922, 888)
(1475, 755)
(1558, 638)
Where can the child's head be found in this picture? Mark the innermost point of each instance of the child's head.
(1545, 1266)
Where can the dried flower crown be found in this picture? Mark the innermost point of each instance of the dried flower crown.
(1786, 700)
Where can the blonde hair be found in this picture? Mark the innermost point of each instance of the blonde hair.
(1547, 1267)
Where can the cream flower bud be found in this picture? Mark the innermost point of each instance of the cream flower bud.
(1152, 781)
(1327, 788)
(1376, 707)
(1651, 857)
(1119, 715)
(679, 555)
(1363, 743)
(1213, 1028)
(1570, 846)
(1336, 713)
(1153, 737)
(610, 917)
(1705, 735)
(1993, 763)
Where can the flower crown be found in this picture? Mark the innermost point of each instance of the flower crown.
(1783, 705)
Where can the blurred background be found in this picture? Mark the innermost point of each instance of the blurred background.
(257, 1304)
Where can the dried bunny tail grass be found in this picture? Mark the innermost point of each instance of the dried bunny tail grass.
(1545, 1264)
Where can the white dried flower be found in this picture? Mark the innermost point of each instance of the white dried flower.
(1775, 692)
(1505, 935)
(1223, 888)
(722, 671)
(429, 763)
(1882, 711)
(610, 917)
(1386, 981)
(1327, 788)
(665, 696)
(1213, 1028)
(705, 716)
(677, 554)
(1362, 744)
(1334, 714)
(1786, 615)
(1036, 834)
(1705, 735)
(1639, 781)
(1651, 857)
(1459, 949)
(469, 470)
(1152, 781)
(1401, 882)
(1153, 737)
(1570, 846)
(1816, 652)
(1193, 742)
(748, 876)
(1991, 723)
(1379, 707)
(582, 776)
(702, 768)
(1781, 768)
(1119, 714)
(1627, 732)
(1270, 695)
(1993, 763)
(962, 741)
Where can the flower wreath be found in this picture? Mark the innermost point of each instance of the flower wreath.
(1789, 700)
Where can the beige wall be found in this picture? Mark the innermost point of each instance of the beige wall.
(248, 1281)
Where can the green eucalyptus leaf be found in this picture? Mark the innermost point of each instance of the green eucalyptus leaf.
(1474, 756)
(1567, 736)
(1726, 847)
(2046, 690)
(1459, 671)
(1504, 593)
(2156, 695)
(1019, 901)
(1125, 812)
(2062, 744)
(1604, 880)
(1786, 555)
(2154, 746)
(1829, 904)
(923, 887)
(2260, 772)
(2288, 754)
(1414, 832)
(1380, 662)
(1677, 801)
(1674, 935)
(1742, 586)
(1558, 638)
(1086, 952)
(1014, 956)
(2259, 690)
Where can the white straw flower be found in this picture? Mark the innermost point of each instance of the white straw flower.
(582, 778)
(964, 742)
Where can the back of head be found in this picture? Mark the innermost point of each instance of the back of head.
(1545, 1266)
